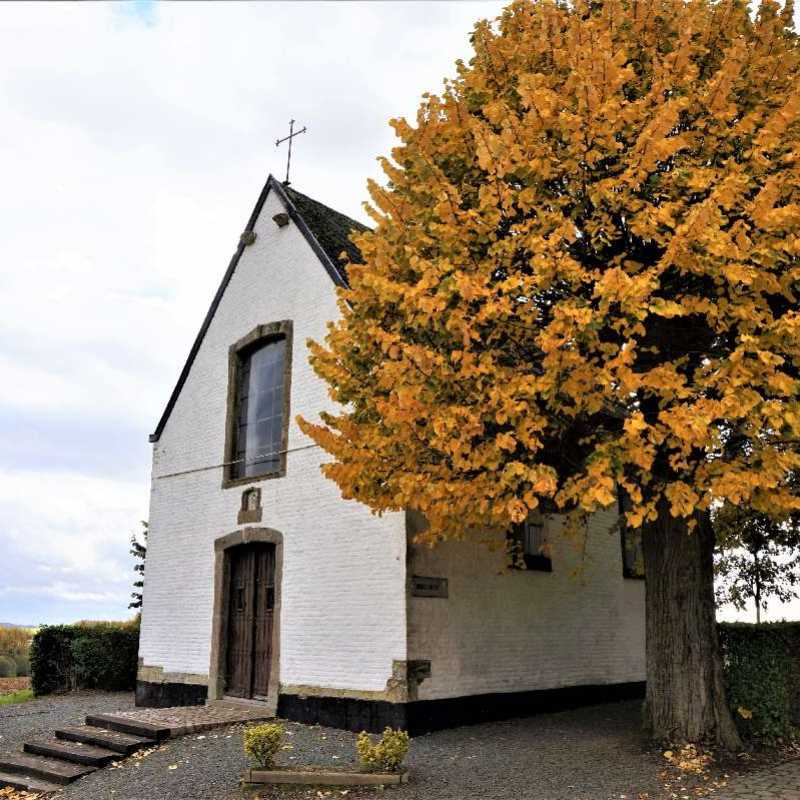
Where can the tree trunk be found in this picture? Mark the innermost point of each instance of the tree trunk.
(685, 699)
(758, 588)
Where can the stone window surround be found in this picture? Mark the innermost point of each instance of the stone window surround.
(219, 625)
(261, 334)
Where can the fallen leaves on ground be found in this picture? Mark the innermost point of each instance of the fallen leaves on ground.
(135, 759)
(15, 794)
(691, 773)
(689, 759)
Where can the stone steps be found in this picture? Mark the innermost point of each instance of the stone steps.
(46, 765)
(123, 743)
(133, 727)
(27, 783)
(53, 770)
(75, 752)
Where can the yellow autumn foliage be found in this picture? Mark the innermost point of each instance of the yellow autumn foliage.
(583, 273)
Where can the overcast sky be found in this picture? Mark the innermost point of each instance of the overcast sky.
(134, 141)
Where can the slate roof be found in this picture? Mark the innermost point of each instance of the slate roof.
(330, 228)
(325, 230)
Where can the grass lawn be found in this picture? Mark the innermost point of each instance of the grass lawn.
(16, 697)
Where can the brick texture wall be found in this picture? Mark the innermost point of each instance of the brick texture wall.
(502, 631)
(346, 614)
(343, 616)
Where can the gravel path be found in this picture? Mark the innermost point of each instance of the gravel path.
(587, 754)
(21, 721)
(777, 783)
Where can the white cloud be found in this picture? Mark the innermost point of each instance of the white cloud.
(64, 545)
(135, 140)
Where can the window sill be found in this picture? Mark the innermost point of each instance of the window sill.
(535, 564)
(230, 483)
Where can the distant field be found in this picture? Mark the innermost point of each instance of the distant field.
(11, 685)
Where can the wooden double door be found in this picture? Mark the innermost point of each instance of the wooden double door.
(251, 609)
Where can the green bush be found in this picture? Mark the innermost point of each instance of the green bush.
(51, 659)
(387, 755)
(262, 743)
(8, 667)
(762, 670)
(106, 658)
(23, 665)
(87, 655)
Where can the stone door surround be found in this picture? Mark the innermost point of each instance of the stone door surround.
(219, 632)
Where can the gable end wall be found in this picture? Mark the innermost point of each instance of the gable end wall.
(343, 611)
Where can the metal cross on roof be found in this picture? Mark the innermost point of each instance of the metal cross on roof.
(292, 134)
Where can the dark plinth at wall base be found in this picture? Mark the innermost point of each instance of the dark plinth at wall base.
(342, 712)
(166, 695)
(423, 716)
(419, 716)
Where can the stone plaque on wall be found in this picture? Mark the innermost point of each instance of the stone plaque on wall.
(422, 586)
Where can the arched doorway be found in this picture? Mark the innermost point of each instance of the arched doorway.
(246, 636)
(251, 610)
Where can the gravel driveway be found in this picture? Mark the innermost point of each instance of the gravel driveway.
(589, 754)
(21, 721)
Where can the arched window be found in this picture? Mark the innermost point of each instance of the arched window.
(258, 404)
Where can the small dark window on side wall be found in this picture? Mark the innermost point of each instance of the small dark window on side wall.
(631, 541)
(529, 546)
(259, 374)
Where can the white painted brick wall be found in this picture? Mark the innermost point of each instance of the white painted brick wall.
(503, 631)
(343, 615)
(344, 583)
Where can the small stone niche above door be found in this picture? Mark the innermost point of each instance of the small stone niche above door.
(251, 507)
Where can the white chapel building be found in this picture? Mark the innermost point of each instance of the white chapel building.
(262, 583)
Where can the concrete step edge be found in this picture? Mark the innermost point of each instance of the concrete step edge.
(53, 770)
(102, 737)
(74, 752)
(27, 783)
(130, 726)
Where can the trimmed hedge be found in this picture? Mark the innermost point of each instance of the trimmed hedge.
(87, 655)
(762, 670)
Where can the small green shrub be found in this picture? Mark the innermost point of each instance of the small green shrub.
(262, 743)
(8, 667)
(387, 755)
(23, 665)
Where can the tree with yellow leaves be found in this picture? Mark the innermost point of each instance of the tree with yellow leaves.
(584, 276)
